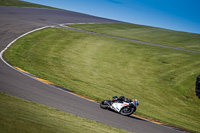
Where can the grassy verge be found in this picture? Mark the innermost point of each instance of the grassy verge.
(19, 116)
(149, 34)
(20, 3)
(100, 67)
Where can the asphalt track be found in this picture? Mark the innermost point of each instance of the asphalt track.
(15, 21)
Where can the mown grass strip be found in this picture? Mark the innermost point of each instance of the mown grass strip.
(100, 67)
(172, 38)
(19, 116)
(142, 42)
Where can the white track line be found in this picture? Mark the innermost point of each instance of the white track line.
(1, 57)
(1, 54)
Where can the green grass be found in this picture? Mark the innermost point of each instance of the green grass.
(99, 67)
(177, 39)
(20, 116)
(20, 3)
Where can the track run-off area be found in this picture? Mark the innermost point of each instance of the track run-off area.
(16, 22)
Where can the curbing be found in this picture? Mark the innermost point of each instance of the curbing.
(64, 89)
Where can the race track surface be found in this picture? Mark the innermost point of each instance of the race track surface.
(15, 21)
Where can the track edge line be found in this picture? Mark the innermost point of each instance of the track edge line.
(64, 89)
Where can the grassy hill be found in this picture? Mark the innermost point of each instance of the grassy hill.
(177, 39)
(163, 80)
(99, 67)
(21, 116)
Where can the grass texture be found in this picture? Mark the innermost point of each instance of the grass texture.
(177, 39)
(21, 116)
(99, 67)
